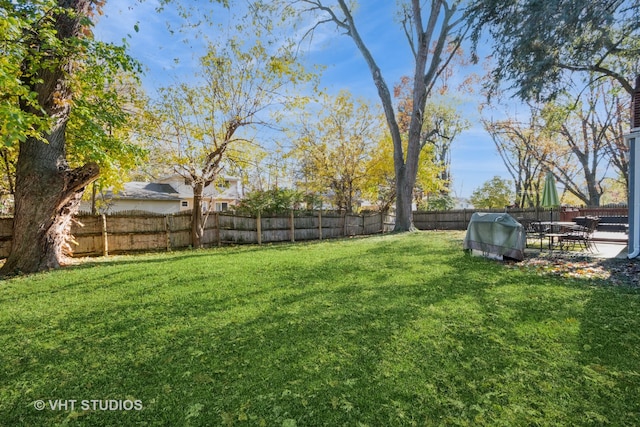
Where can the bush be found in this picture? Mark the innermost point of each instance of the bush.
(269, 202)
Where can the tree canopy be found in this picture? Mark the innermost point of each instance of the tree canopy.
(495, 193)
(334, 147)
(539, 46)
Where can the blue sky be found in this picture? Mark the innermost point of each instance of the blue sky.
(172, 56)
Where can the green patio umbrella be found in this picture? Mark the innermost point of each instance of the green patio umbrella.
(550, 197)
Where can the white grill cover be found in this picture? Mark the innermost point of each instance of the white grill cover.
(497, 234)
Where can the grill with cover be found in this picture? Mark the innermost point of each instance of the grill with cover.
(496, 235)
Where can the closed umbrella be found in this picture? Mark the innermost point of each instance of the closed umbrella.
(550, 197)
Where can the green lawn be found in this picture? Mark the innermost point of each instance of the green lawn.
(395, 330)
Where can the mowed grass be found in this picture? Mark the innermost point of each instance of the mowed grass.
(394, 330)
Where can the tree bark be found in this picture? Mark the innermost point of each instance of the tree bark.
(48, 192)
(404, 198)
(197, 226)
(47, 196)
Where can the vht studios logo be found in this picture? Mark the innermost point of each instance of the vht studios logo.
(88, 405)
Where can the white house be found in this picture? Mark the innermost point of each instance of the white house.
(219, 198)
(171, 194)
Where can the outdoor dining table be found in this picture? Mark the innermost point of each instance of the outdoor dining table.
(559, 224)
(556, 227)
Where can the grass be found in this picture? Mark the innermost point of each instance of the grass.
(394, 330)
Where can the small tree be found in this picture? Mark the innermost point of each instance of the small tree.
(495, 193)
(198, 127)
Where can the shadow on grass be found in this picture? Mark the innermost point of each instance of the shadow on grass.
(406, 331)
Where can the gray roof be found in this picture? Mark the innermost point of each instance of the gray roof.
(146, 191)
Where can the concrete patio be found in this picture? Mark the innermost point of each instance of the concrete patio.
(606, 245)
(610, 244)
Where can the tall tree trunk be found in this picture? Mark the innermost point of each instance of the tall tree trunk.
(46, 199)
(404, 199)
(197, 226)
(47, 191)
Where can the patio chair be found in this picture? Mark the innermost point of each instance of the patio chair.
(534, 230)
(592, 225)
(582, 235)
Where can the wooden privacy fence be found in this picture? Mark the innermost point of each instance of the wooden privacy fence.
(137, 232)
(459, 219)
(604, 211)
(143, 231)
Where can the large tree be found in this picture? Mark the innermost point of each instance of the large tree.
(546, 49)
(434, 33)
(577, 139)
(442, 124)
(45, 43)
(99, 130)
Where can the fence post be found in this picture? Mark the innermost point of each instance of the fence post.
(259, 228)
(216, 220)
(320, 224)
(167, 231)
(105, 240)
(344, 223)
(292, 226)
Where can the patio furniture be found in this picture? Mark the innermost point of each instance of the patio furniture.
(556, 233)
(582, 234)
(534, 230)
(611, 223)
(556, 240)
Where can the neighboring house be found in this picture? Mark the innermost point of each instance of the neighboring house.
(139, 196)
(220, 199)
(462, 203)
(165, 196)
